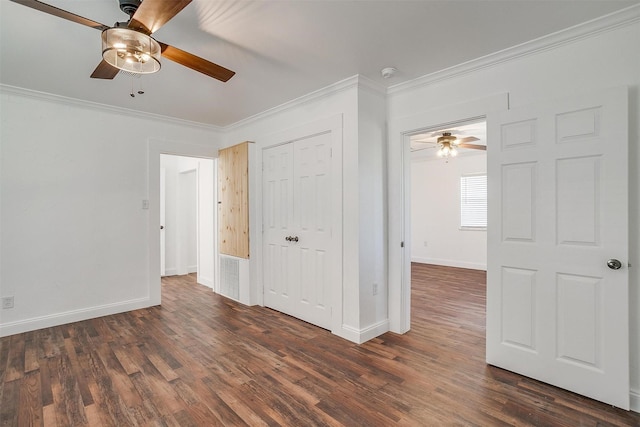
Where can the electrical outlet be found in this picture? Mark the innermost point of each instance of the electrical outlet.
(375, 289)
(7, 302)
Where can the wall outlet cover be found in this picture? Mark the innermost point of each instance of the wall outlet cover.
(7, 302)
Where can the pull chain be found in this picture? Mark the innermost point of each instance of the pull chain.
(140, 90)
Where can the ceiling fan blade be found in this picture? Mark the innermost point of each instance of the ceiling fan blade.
(413, 149)
(467, 139)
(153, 14)
(473, 146)
(105, 71)
(196, 63)
(60, 13)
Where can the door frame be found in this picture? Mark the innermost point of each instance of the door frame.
(156, 147)
(399, 178)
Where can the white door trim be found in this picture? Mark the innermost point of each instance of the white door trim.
(399, 191)
(156, 147)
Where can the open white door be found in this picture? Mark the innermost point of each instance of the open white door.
(558, 215)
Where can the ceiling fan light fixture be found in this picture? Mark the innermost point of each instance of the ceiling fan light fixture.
(130, 50)
(446, 148)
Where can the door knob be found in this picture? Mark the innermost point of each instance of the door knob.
(288, 238)
(162, 227)
(614, 264)
(294, 239)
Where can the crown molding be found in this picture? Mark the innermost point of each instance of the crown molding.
(621, 18)
(326, 91)
(371, 86)
(59, 99)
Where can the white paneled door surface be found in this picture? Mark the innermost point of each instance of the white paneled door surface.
(557, 284)
(297, 231)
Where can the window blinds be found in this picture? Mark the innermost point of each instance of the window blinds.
(473, 201)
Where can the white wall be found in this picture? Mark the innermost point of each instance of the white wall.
(372, 217)
(170, 166)
(75, 236)
(435, 212)
(187, 221)
(557, 69)
(206, 222)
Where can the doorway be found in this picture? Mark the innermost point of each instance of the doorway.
(187, 217)
(556, 312)
(449, 196)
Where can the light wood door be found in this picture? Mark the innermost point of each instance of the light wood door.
(558, 211)
(297, 231)
(233, 200)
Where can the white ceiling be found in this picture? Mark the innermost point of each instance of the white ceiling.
(280, 50)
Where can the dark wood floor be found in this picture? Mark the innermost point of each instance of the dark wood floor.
(202, 360)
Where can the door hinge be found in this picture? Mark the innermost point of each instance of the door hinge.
(402, 244)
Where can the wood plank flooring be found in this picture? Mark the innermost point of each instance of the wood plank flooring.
(203, 360)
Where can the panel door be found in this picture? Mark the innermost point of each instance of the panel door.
(297, 232)
(278, 226)
(312, 208)
(558, 211)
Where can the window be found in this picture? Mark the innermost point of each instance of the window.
(473, 201)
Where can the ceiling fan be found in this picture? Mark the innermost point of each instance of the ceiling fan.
(447, 143)
(128, 46)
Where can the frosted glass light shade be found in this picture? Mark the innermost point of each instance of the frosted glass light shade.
(130, 50)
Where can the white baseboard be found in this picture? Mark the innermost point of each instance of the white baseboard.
(170, 272)
(360, 336)
(450, 263)
(206, 281)
(635, 400)
(192, 269)
(57, 319)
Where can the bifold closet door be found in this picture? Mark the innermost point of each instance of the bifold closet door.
(297, 232)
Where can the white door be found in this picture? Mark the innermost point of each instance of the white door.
(297, 232)
(558, 212)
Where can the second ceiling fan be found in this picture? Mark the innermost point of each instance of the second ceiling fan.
(128, 46)
(449, 144)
